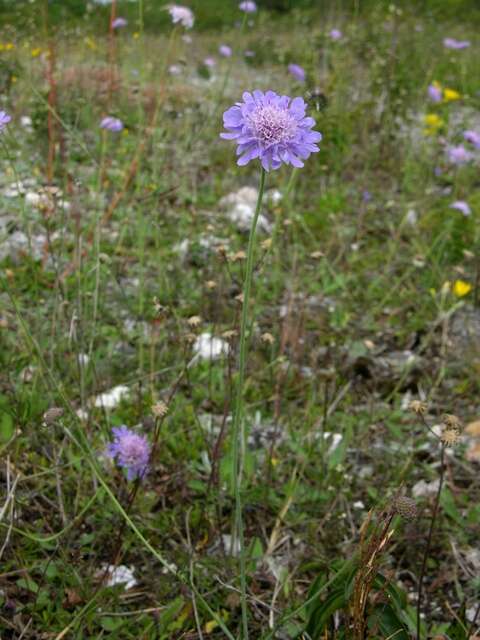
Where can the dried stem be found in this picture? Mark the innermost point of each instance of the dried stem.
(429, 539)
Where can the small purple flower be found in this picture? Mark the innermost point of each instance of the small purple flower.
(182, 15)
(297, 72)
(473, 137)
(209, 63)
(111, 124)
(459, 155)
(336, 34)
(461, 205)
(272, 128)
(452, 43)
(119, 23)
(4, 119)
(225, 51)
(435, 92)
(131, 450)
(366, 196)
(248, 6)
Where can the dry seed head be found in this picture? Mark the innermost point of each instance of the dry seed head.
(450, 437)
(317, 254)
(406, 507)
(231, 333)
(240, 255)
(268, 338)
(452, 422)
(211, 284)
(194, 321)
(160, 409)
(52, 415)
(418, 407)
(239, 298)
(190, 337)
(266, 244)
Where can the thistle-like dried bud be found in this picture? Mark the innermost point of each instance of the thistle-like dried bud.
(452, 422)
(194, 321)
(450, 437)
(160, 409)
(406, 507)
(52, 415)
(418, 407)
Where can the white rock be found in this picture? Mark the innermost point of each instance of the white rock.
(120, 575)
(110, 399)
(423, 489)
(207, 347)
(230, 547)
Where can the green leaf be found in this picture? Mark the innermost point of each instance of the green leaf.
(385, 619)
(324, 611)
(28, 584)
(7, 428)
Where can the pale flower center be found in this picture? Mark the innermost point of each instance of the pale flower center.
(272, 125)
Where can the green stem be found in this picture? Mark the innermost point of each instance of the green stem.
(238, 443)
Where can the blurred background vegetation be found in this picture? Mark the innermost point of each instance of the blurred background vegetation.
(213, 14)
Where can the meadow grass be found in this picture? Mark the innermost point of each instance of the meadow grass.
(119, 260)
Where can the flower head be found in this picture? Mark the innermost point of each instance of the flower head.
(433, 123)
(452, 43)
(461, 288)
(209, 62)
(119, 23)
(182, 15)
(111, 124)
(297, 72)
(4, 119)
(473, 137)
(451, 94)
(461, 205)
(248, 6)
(225, 51)
(131, 451)
(459, 155)
(335, 34)
(272, 128)
(435, 92)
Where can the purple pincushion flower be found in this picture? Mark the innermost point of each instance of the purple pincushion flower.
(461, 205)
(452, 43)
(4, 119)
(272, 128)
(182, 15)
(248, 6)
(459, 155)
(297, 72)
(335, 34)
(225, 51)
(119, 23)
(111, 124)
(131, 450)
(209, 62)
(435, 92)
(473, 137)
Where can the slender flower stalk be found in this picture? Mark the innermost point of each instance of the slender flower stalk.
(273, 130)
(238, 443)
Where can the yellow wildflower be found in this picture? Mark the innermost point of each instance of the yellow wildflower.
(35, 52)
(433, 122)
(9, 46)
(136, 35)
(461, 288)
(450, 94)
(90, 43)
